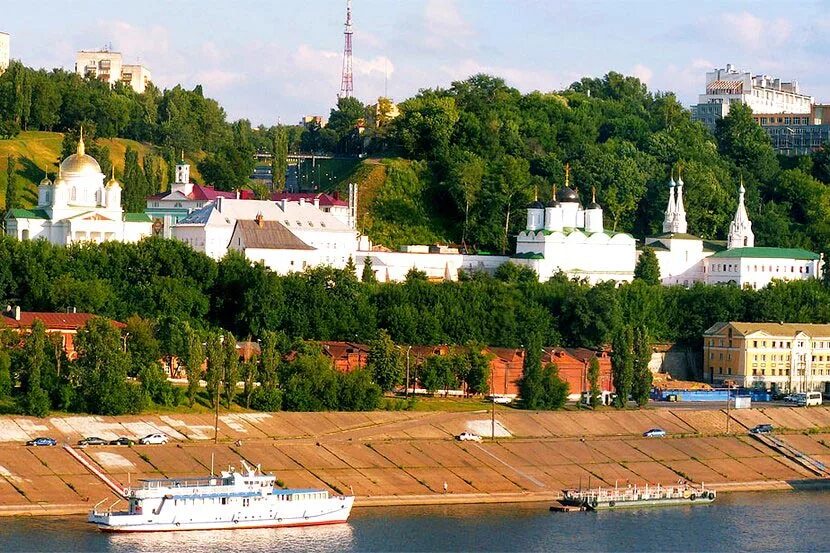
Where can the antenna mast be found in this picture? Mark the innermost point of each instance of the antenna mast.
(346, 84)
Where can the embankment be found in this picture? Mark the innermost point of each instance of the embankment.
(388, 458)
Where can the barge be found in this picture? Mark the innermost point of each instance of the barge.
(598, 499)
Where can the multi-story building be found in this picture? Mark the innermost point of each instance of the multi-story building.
(784, 357)
(108, 66)
(764, 94)
(4, 51)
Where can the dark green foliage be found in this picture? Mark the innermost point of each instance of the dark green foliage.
(641, 349)
(215, 373)
(193, 358)
(102, 367)
(310, 383)
(142, 345)
(385, 362)
(230, 378)
(437, 373)
(5, 373)
(368, 274)
(358, 392)
(279, 160)
(647, 268)
(155, 385)
(622, 364)
(531, 386)
(34, 358)
(595, 399)
(11, 183)
(249, 373)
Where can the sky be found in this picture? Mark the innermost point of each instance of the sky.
(275, 61)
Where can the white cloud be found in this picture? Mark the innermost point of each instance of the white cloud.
(755, 33)
(444, 26)
(643, 73)
(523, 79)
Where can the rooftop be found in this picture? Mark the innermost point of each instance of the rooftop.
(772, 329)
(767, 253)
(52, 321)
(268, 235)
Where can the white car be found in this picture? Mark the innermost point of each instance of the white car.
(153, 439)
(468, 437)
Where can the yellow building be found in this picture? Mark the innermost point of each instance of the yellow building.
(785, 357)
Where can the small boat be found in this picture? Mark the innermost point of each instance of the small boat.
(637, 496)
(234, 499)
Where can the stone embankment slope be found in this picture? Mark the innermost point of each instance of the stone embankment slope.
(405, 458)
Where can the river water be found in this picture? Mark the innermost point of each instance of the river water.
(775, 521)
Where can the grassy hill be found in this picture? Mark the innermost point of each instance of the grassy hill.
(396, 203)
(39, 151)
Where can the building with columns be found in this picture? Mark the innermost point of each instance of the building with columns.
(686, 259)
(78, 207)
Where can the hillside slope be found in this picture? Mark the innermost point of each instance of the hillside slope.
(39, 151)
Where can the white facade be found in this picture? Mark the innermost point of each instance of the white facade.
(108, 67)
(5, 49)
(564, 237)
(78, 207)
(393, 266)
(685, 259)
(210, 229)
(764, 94)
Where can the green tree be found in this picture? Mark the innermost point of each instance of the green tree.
(142, 345)
(531, 385)
(622, 364)
(437, 373)
(268, 397)
(351, 268)
(478, 376)
(743, 141)
(5, 373)
(231, 357)
(368, 274)
(642, 377)
(102, 366)
(279, 157)
(593, 381)
(215, 373)
(11, 183)
(35, 400)
(648, 268)
(358, 392)
(555, 389)
(249, 373)
(384, 362)
(193, 358)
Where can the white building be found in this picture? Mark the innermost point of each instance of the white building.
(78, 207)
(108, 67)
(5, 49)
(764, 94)
(685, 259)
(565, 237)
(213, 230)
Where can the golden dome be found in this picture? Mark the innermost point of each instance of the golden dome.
(59, 179)
(80, 163)
(112, 182)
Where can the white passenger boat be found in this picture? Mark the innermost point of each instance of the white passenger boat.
(246, 499)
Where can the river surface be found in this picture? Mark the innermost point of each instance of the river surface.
(774, 521)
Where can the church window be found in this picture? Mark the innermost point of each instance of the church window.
(73, 195)
(48, 196)
(808, 270)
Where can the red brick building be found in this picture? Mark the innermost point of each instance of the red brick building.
(65, 324)
(573, 368)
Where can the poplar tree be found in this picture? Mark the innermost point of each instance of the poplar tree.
(231, 357)
(215, 368)
(385, 362)
(531, 387)
(593, 380)
(11, 184)
(279, 158)
(622, 364)
(642, 377)
(35, 399)
(194, 357)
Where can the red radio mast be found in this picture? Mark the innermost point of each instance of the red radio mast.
(346, 84)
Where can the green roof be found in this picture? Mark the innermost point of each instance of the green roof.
(27, 214)
(137, 218)
(677, 236)
(772, 253)
(528, 255)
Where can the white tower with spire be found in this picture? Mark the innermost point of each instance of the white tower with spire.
(668, 220)
(740, 229)
(680, 225)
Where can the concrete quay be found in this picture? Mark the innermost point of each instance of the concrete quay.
(405, 458)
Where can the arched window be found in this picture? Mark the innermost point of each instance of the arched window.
(98, 198)
(73, 195)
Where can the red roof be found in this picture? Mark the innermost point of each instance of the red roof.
(208, 193)
(325, 199)
(53, 321)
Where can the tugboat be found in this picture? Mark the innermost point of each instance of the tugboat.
(234, 499)
(635, 496)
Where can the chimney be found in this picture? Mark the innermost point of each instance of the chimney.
(302, 201)
(283, 204)
(219, 204)
(260, 221)
(317, 201)
(16, 312)
(237, 193)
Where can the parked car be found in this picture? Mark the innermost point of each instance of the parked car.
(93, 440)
(42, 441)
(808, 399)
(153, 439)
(762, 429)
(501, 400)
(121, 441)
(655, 433)
(468, 437)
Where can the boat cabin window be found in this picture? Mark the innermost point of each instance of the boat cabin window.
(224, 501)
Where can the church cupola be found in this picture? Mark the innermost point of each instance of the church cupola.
(44, 191)
(668, 219)
(553, 213)
(535, 214)
(680, 224)
(593, 215)
(740, 229)
(112, 193)
(568, 197)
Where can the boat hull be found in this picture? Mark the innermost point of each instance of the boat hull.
(192, 526)
(643, 503)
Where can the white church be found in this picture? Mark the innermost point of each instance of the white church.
(78, 207)
(562, 236)
(686, 259)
